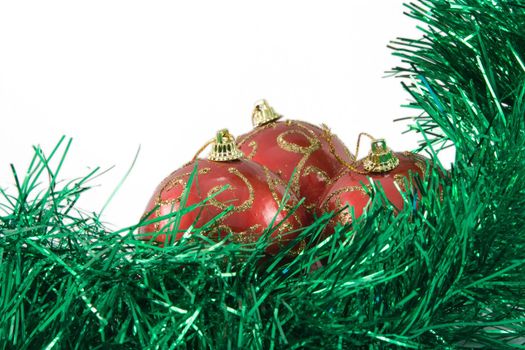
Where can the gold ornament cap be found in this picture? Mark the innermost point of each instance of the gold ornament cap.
(224, 148)
(263, 113)
(380, 159)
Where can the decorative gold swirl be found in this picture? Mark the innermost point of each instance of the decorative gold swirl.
(281, 231)
(169, 184)
(400, 181)
(310, 207)
(251, 236)
(344, 217)
(172, 182)
(244, 236)
(254, 146)
(344, 190)
(273, 182)
(295, 148)
(236, 209)
(248, 236)
(337, 177)
(297, 249)
(315, 170)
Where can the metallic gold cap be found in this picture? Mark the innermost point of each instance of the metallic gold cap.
(263, 113)
(224, 148)
(380, 159)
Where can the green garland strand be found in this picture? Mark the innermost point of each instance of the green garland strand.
(445, 272)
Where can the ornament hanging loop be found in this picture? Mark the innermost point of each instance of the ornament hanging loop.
(380, 158)
(353, 162)
(202, 149)
(373, 139)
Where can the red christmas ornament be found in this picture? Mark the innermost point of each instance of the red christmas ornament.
(381, 165)
(254, 192)
(283, 146)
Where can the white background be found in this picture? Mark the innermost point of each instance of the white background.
(166, 75)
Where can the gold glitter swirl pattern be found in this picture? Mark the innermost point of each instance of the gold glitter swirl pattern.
(310, 207)
(254, 146)
(336, 178)
(273, 182)
(315, 170)
(400, 181)
(169, 184)
(344, 217)
(295, 148)
(344, 190)
(251, 236)
(248, 236)
(236, 209)
(281, 231)
(297, 249)
(178, 180)
(421, 167)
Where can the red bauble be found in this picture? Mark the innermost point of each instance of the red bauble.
(382, 166)
(254, 192)
(283, 146)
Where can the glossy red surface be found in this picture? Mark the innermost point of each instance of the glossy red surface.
(347, 188)
(254, 192)
(283, 146)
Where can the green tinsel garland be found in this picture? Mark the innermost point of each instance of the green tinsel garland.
(447, 273)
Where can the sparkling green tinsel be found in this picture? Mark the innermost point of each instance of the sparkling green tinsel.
(448, 271)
